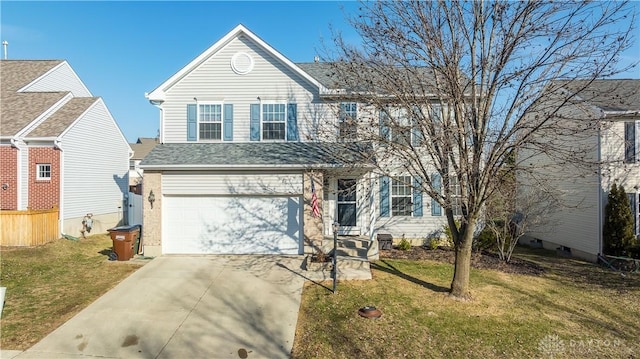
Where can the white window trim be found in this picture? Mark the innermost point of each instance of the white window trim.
(39, 171)
(393, 179)
(342, 118)
(262, 121)
(198, 122)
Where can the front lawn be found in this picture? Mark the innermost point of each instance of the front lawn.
(572, 310)
(49, 284)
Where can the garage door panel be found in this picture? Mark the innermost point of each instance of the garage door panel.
(233, 225)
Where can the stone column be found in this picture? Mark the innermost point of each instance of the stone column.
(152, 217)
(313, 227)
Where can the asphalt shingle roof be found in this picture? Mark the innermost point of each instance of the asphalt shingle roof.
(257, 154)
(63, 117)
(608, 95)
(18, 109)
(142, 147)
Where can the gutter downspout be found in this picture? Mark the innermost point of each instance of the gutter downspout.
(57, 145)
(599, 174)
(14, 143)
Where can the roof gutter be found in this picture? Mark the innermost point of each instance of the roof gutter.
(250, 167)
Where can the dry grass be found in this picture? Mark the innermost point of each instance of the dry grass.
(49, 284)
(574, 309)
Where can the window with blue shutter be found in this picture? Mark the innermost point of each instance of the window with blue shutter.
(192, 122)
(292, 122)
(254, 122)
(417, 197)
(384, 196)
(436, 183)
(227, 130)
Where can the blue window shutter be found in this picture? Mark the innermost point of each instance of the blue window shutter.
(192, 122)
(436, 182)
(634, 211)
(227, 125)
(292, 122)
(629, 142)
(417, 197)
(384, 128)
(254, 125)
(416, 132)
(384, 196)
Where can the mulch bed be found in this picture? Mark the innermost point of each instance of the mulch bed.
(480, 260)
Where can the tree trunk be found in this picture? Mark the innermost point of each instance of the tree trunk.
(462, 268)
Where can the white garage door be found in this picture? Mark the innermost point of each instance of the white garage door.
(231, 224)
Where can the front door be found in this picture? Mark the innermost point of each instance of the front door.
(347, 203)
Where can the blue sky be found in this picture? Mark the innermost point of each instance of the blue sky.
(121, 50)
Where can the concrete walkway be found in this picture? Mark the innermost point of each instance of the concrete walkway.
(187, 307)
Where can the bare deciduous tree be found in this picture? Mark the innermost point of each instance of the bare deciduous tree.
(456, 84)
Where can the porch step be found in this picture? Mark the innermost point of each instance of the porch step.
(356, 247)
(349, 268)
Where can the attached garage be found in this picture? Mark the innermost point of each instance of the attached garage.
(232, 213)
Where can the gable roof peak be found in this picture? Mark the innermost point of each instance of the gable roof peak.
(158, 94)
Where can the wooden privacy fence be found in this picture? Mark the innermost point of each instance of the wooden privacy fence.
(28, 228)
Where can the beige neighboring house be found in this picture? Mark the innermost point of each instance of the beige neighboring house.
(613, 107)
(141, 148)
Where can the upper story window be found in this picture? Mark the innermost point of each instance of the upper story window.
(274, 118)
(347, 126)
(210, 121)
(43, 171)
(631, 141)
(401, 193)
(398, 126)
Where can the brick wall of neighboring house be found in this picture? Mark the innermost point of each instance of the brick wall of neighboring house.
(44, 194)
(8, 177)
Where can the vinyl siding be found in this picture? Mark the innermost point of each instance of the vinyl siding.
(96, 163)
(62, 78)
(215, 81)
(244, 183)
(411, 227)
(575, 223)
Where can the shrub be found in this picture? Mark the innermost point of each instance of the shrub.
(447, 231)
(434, 243)
(404, 245)
(486, 240)
(617, 230)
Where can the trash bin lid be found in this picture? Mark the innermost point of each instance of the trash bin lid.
(124, 228)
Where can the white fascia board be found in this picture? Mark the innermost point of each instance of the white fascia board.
(245, 167)
(623, 115)
(43, 116)
(158, 94)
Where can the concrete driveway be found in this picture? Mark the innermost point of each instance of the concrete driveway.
(188, 307)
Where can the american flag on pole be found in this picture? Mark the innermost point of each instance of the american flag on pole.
(314, 200)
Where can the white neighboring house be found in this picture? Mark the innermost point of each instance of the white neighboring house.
(614, 105)
(60, 146)
(240, 161)
(140, 149)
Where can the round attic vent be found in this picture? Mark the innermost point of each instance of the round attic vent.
(241, 63)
